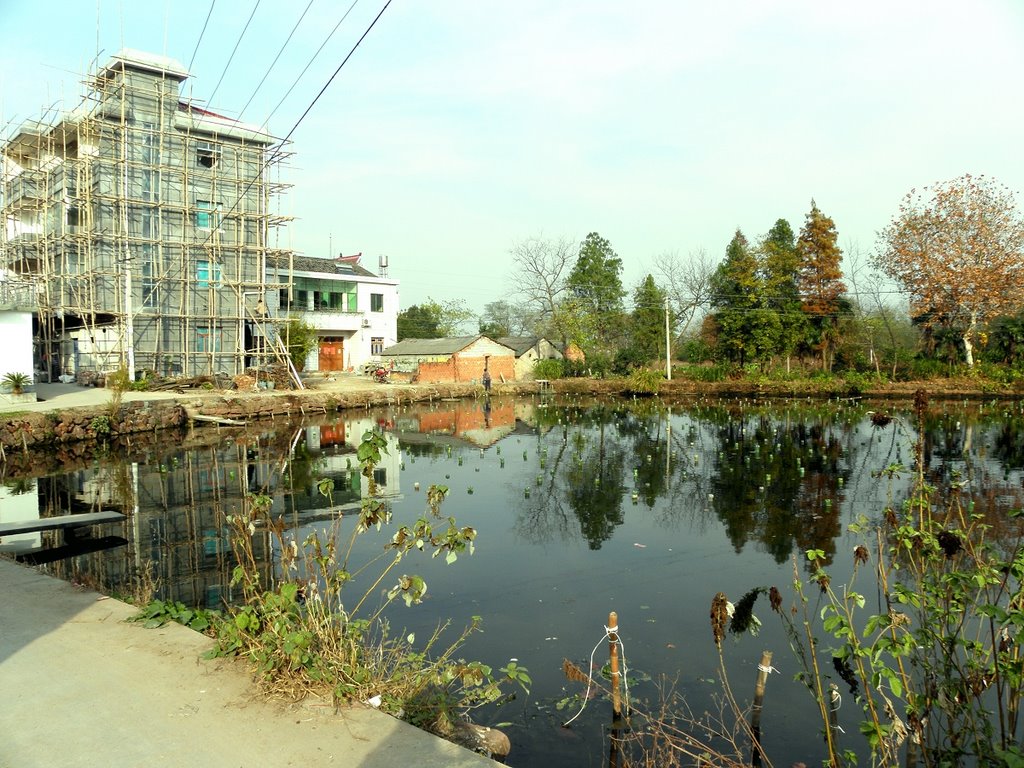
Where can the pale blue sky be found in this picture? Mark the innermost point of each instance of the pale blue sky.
(463, 126)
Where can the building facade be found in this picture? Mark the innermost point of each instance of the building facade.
(354, 311)
(452, 359)
(144, 225)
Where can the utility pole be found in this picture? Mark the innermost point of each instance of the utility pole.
(668, 345)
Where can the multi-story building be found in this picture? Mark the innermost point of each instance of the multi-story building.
(145, 224)
(354, 311)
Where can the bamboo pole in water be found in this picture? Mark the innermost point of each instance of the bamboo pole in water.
(756, 755)
(613, 652)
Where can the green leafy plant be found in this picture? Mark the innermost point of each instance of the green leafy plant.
(17, 381)
(939, 667)
(310, 632)
(156, 613)
(644, 381)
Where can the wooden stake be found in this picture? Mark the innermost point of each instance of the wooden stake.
(613, 653)
(756, 754)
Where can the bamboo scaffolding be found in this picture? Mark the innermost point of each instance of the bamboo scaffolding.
(104, 210)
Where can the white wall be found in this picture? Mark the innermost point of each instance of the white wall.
(16, 343)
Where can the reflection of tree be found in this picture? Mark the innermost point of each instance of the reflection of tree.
(778, 484)
(595, 481)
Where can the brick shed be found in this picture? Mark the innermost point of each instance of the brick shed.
(452, 359)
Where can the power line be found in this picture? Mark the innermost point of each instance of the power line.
(310, 63)
(280, 148)
(274, 62)
(234, 51)
(209, 13)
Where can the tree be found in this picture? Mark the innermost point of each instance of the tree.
(502, 318)
(419, 322)
(300, 339)
(736, 289)
(596, 292)
(539, 271)
(957, 248)
(688, 283)
(780, 265)
(433, 320)
(822, 290)
(647, 329)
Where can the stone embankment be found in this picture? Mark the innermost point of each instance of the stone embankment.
(38, 430)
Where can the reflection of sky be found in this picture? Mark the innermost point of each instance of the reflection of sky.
(545, 591)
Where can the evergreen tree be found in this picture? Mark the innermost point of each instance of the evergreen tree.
(736, 293)
(822, 290)
(781, 273)
(647, 337)
(596, 293)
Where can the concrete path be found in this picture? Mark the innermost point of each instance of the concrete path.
(80, 687)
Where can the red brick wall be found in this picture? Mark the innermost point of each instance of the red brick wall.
(462, 369)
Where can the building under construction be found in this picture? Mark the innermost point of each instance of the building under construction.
(143, 224)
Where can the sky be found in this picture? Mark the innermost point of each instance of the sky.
(459, 128)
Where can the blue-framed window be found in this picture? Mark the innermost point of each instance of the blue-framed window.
(207, 273)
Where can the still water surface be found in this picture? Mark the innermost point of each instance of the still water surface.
(581, 508)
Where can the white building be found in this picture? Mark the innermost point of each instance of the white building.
(354, 311)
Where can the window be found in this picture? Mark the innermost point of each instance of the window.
(73, 217)
(301, 302)
(376, 345)
(207, 338)
(376, 302)
(207, 274)
(207, 154)
(207, 214)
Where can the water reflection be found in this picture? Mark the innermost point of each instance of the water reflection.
(581, 507)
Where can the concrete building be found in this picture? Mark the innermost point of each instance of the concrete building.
(453, 359)
(17, 303)
(145, 224)
(530, 349)
(354, 311)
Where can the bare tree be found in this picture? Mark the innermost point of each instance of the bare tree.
(688, 282)
(540, 269)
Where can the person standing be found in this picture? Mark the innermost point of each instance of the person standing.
(487, 380)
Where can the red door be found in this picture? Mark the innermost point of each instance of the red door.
(332, 354)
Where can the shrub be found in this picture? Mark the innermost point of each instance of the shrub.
(549, 369)
(17, 382)
(644, 381)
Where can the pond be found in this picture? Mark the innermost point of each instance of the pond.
(581, 507)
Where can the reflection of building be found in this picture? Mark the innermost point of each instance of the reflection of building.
(19, 502)
(455, 359)
(480, 423)
(328, 452)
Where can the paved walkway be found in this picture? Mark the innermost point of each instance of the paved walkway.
(81, 687)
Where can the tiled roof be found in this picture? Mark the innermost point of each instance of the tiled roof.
(316, 264)
(521, 344)
(446, 346)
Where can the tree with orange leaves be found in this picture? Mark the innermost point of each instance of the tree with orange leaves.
(958, 248)
(822, 290)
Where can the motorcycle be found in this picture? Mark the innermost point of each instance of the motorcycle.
(381, 375)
